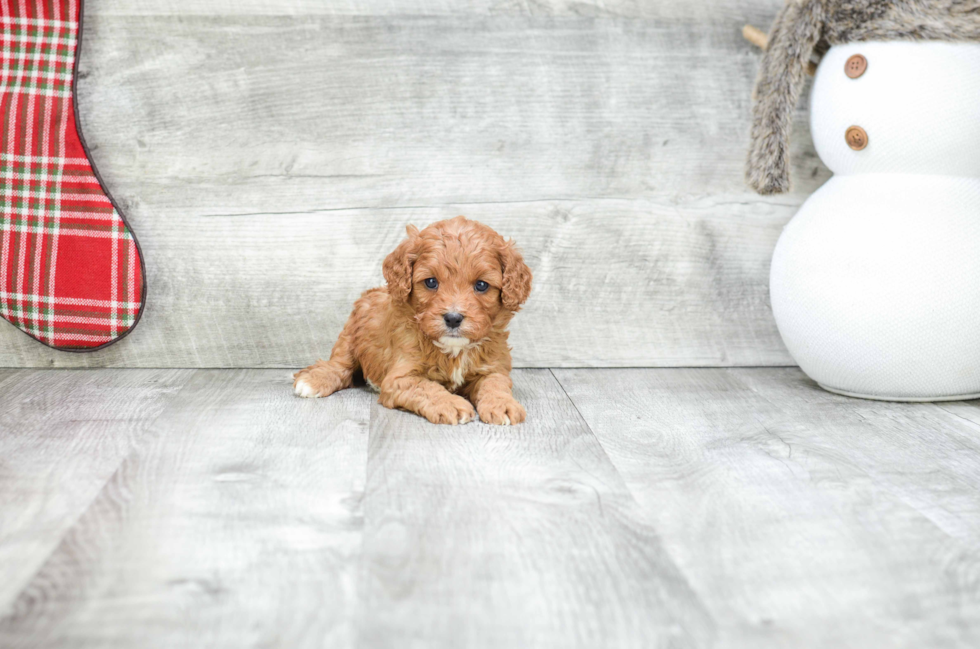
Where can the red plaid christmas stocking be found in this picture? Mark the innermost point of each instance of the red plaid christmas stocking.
(71, 275)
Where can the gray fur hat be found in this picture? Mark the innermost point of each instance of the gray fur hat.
(805, 26)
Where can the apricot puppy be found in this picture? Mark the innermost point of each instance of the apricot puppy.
(434, 340)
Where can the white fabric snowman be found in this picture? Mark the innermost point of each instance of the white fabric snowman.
(875, 283)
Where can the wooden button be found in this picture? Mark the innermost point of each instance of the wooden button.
(855, 66)
(856, 138)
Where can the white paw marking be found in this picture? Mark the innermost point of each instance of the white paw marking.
(372, 385)
(304, 389)
(506, 420)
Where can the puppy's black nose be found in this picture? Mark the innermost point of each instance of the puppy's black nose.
(453, 320)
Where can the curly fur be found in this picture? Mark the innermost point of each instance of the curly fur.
(803, 26)
(398, 339)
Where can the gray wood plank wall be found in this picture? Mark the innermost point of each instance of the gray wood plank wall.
(269, 154)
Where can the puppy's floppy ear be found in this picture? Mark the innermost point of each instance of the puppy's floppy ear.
(517, 278)
(397, 267)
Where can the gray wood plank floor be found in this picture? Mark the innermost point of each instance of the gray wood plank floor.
(636, 508)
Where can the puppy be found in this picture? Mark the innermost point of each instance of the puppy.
(434, 340)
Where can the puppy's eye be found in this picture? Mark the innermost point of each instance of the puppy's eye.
(481, 286)
(432, 283)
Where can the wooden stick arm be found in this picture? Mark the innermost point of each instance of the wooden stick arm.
(755, 36)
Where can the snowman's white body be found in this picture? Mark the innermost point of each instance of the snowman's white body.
(875, 283)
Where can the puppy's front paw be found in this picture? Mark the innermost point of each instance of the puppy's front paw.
(316, 381)
(450, 409)
(501, 411)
